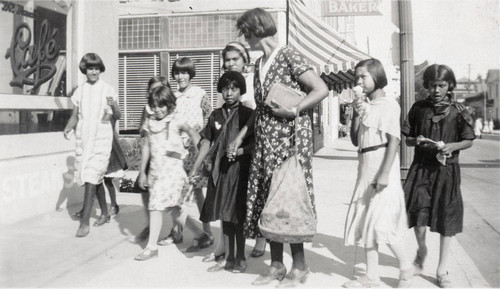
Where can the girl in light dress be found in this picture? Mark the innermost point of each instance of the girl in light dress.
(376, 213)
(164, 149)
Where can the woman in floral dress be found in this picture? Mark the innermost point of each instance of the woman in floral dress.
(273, 126)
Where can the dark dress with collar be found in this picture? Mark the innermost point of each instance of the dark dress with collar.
(432, 190)
(227, 191)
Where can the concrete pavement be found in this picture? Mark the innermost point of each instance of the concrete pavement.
(43, 252)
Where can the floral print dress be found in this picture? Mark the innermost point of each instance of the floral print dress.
(271, 131)
(193, 107)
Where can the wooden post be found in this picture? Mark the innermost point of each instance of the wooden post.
(407, 76)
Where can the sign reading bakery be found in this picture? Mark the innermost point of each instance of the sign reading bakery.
(350, 7)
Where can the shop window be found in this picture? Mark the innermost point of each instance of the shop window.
(139, 33)
(33, 71)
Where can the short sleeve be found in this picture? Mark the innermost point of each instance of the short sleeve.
(408, 127)
(466, 130)
(207, 132)
(298, 62)
(76, 97)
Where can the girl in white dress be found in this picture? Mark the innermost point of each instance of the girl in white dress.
(164, 149)
(377, 211)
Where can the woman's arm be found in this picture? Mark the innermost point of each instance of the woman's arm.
(73, 120)
(146, 154)
(382, 179)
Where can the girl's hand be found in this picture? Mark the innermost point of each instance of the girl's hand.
(233, 147)
(281, 111)
(142, 181)
(110, 101)
(420, 139)
(447, 149)
(67, 133)
(380, 182)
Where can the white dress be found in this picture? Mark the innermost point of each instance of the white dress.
(94, 133)
(375, 218)
(166, 174)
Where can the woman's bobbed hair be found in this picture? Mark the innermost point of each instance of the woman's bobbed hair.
(91, 60)
(376, 69)
(257, 22)
(440, 72)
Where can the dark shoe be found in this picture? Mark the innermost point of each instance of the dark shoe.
(78, 214)
(114, 210)
(146, 254)
(271, 274)
(419, 262)
(239, 266)
(143, 235)
(202, 242)
(220, 265)
(171, 239)
(362, 282)
(212, 258)
(294, 277)
(83, 231)
(444, 280)
(102, 220)
(229, 265)
(257, 253)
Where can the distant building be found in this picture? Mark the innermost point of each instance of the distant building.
(492, 81)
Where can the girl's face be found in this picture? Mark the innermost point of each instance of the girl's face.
(183, 79)
(92, 74)
(160, 112)
(231, 94)
(365, 80)
(437, 90)
(233, 61)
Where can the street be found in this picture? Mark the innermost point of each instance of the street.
(480, 183)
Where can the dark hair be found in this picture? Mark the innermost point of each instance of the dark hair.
(376, 69)
(238, 47)
(257, 22)
(440, 72)
(158, 79)
(232, 78)
(91, 60)
(184, 64)
(162, 96)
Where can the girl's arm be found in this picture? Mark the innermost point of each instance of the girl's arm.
(146, 154)
(195, 137)
(202, 153)
(354, 128)
(448, 148)
(114, 107)
(382, 179)
(244, 132)
(73, 120)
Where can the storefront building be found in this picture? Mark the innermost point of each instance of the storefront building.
(41, 45)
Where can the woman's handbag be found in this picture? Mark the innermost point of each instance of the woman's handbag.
(284, 95)
(288, 215)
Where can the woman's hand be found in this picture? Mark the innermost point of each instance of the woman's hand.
(142, 181)
(281, 111)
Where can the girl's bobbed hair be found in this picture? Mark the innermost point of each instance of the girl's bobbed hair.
(232, 78)
(91, 60)
(376, 69)
(238, 47)
(157, 80)
(440, 72)
(184, 64)
(257, 22)
(162, 96)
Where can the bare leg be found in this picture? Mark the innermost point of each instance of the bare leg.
(444, 252)
(88, 202)
(155, 224)
(372, 262)
(260, 243)
(399, 252)
(112, 191)
(101, 198)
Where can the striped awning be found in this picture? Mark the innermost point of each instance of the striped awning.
(333, 57)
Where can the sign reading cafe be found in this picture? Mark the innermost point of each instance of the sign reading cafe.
(33, 64)
(350, 7)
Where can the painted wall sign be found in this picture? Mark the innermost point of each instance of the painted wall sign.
(350, 7)
(16, 9)
(33, 64)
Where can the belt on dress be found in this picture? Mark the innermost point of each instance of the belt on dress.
(373, 148)
(175, 155)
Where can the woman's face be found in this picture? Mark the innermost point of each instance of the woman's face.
(253, 41)
(233, 61)
(92, 74)
(365, 80)
(231, 94)
(182, 78)
(160, 112)
(437, 90)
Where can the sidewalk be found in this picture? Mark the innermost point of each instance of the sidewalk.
(43, 252)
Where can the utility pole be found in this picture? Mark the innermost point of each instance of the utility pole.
(407, 76)
(468, 79)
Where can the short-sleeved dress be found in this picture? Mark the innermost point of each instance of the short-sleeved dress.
(432, 190)
(166, 176)
(227, 185)
(94, 133)
(193, 108)
(271, 131)
(377, 217)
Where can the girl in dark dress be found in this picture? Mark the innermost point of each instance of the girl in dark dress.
(439, 129)
(227, 184)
